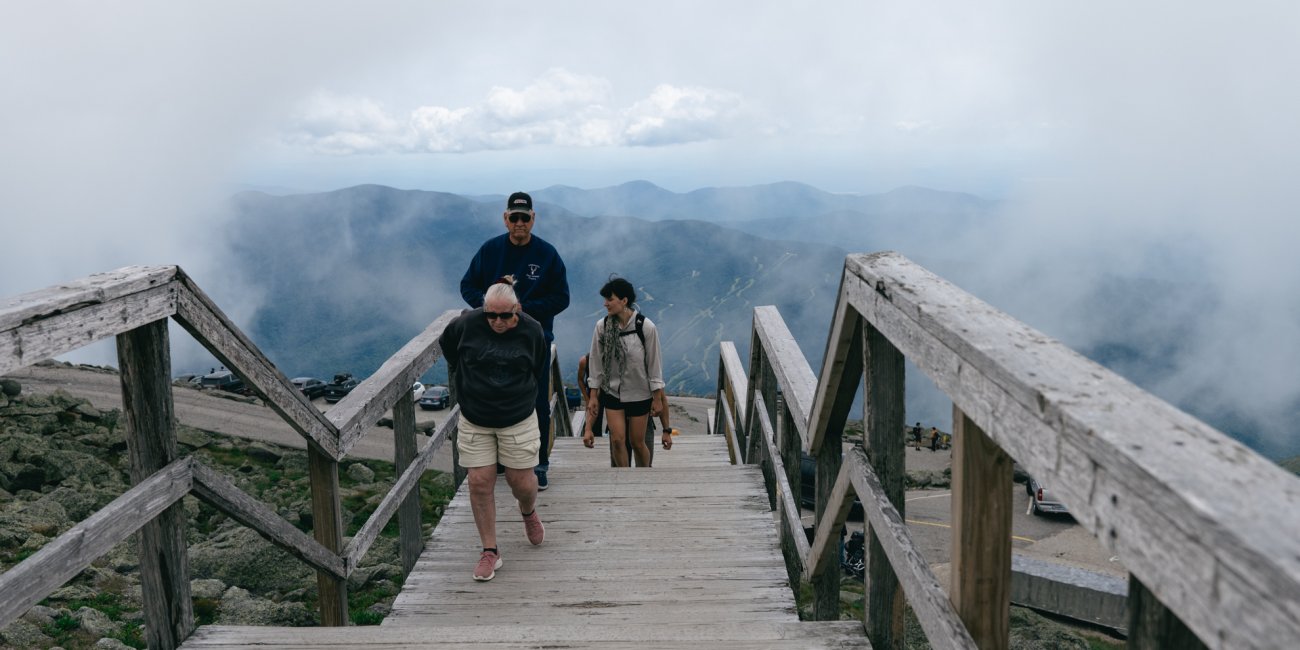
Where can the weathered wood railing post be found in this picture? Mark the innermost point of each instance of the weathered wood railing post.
(458, 473)
(884, 443)
(981, 533)
(404, 451)
(790, 449)
(327, 528)
(144, 355)
(829, 456)
(1152, 626)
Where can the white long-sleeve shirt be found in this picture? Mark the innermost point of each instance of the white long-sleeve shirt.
(643, 373)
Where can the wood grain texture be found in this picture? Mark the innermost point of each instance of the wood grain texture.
(47, 323)
(201, 317)
(26, 583)
(943, 627)
(1144, 477)
(376, 394)
(405, 451)
(793, 373)
(213, 488)
(327, 529)
(787, 507)
(406, 484)
(883, 401)
(144, 356)
(981, 534)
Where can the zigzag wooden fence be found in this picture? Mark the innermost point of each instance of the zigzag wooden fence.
(1208, 529)
(134, 304)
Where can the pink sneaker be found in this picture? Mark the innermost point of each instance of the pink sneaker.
(488, 563)
(534, 529)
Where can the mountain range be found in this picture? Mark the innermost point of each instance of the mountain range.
(339, 280)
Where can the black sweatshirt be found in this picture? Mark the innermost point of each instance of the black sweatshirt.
(496, 375)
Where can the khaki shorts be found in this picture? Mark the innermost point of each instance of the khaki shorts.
(514, 446)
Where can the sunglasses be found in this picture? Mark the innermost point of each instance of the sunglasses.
(516, 217)
(495, 315)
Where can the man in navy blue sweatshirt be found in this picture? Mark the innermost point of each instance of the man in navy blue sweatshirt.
(541, 283)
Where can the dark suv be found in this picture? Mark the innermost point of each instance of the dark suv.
(339, 388)
(224, 380)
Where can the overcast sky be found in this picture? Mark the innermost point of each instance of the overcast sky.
(1108, 126)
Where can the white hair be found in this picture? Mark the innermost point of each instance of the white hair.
(502, 291)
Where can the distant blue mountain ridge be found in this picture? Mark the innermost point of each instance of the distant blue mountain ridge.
(350, 275)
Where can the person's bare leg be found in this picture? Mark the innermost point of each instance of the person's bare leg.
(636, 433)
(482, 484)
(523, 484)
(617, 436)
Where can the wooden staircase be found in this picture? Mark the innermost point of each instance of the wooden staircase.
(670, 557)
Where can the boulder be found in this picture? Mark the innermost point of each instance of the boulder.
(360, 473)
(212, 589)
(95, 622)
(10, 388)
(193, 438)
(239, 556)
(111, 644)
(40, 615)
(263, 452)
(77, 503)
(239, 607)
(22, 634)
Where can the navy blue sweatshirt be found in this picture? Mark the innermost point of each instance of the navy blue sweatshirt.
(497, 375)
(541, 281)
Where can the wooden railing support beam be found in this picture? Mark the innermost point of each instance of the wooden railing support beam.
(144, 356)
(327, 528)
(885, 446)
(981, 533)
(404, 450)
(828, 453)
(1152, 626)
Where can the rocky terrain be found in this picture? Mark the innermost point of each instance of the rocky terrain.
(61, 459)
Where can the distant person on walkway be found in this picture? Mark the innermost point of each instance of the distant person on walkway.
(934, 439)
(625, 367)
(598, 427)
(916, 436)
(499, 356)
(541, 282)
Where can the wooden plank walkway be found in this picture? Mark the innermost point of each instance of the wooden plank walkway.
(683, 553)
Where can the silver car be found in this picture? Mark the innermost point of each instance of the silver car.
(1041, 500)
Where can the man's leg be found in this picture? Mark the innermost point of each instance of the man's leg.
(523, 484)
(543, 407)
(482, 484)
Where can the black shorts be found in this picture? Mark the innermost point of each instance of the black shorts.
(630, 409)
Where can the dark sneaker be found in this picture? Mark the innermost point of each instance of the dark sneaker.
(534, 529)
(488, 563)
(542, 483)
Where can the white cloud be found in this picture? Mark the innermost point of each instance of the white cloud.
(560, 108)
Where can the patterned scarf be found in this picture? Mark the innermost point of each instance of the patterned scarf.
(612, 354)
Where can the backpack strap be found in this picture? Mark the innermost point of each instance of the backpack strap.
(639, 319)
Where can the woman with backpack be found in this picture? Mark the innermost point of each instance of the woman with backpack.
(625, 367)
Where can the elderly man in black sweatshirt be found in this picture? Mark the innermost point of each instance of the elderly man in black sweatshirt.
(499, 355)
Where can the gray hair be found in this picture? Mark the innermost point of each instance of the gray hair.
(504, 289)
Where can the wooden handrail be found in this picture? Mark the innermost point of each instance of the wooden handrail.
(135, 301)
(379, 392)
(49, 322)
(1144, 477)
(216, 490)
(27, 582)
(789, 506)
(403, 486)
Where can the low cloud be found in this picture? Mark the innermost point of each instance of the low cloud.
(560, 108)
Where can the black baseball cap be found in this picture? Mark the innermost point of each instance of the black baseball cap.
(519, 202)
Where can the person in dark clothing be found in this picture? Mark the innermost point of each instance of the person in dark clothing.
(541, 284)
(499, 355)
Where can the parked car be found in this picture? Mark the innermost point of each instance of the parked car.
(1042, 501)
(224, 380)
(434, 398)
(310, 387)
(808, 489)
(337, 389)
(417, 390)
